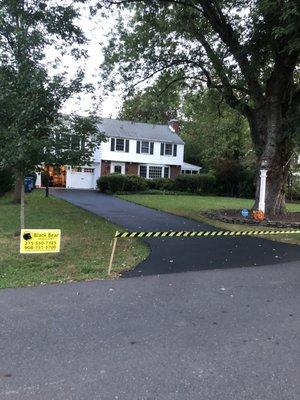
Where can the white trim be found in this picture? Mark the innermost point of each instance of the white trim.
(114, 164)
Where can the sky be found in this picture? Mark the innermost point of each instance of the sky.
(95, 30)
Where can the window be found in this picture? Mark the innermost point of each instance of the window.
(166, 172)
(168, 149)
(143, 171)
(120, 144)
(155, 172)
(118, 169)
(89, 170)
(145, 147)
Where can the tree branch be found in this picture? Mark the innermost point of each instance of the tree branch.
(214, 15)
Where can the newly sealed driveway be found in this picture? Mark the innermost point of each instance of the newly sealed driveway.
(214, 334)
(169, 255)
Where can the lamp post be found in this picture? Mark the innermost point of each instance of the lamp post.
(262, 188)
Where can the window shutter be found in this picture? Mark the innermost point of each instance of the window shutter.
(162, 149)
(151, 147)
(138, 146)
(112, 144)
(127, 146)
(175, 150)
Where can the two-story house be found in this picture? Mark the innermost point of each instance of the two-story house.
(150, 151)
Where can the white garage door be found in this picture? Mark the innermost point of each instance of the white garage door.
(82, 178)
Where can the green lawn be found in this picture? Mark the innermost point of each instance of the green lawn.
(85, 247)
(192, 206)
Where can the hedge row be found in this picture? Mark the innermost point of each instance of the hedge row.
(200, 183)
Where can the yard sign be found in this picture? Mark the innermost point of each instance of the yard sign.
(40, 241)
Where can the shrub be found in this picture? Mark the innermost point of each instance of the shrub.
(135, 183)
(186, 183)
(234, 179)
(116, 182)
(202, 183)
(227, 173)
(102, 183)
(206, 183)
(119, 183)
(246, 185)
(6, 181)
(161, 184)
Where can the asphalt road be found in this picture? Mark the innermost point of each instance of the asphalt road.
(217, 334)
(210, 333)
(170, 255)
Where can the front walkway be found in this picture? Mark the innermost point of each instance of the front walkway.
(169, 255)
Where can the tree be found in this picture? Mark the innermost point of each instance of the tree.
(212, 130)
(209, 127)
(157, 104)
(32, 128)
(248, 51)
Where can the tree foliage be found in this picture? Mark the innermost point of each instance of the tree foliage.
(248, 51)
(212, 130)
(156, 104)
(31, 123)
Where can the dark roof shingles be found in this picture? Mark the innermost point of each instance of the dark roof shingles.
(138, 131)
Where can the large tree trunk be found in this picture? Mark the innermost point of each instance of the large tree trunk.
(277, 175)
(274, 150)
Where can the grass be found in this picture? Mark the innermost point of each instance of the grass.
(85, 247)
(193, 206)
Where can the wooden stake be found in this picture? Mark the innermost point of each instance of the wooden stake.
(112, 255)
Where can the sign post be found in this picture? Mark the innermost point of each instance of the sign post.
(34, 241)
(112, 255)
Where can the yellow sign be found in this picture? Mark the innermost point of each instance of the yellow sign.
(40, 241)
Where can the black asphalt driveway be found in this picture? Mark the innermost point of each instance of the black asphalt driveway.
(208, 335)
(170, 255)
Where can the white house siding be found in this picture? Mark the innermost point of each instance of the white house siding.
(133, 156)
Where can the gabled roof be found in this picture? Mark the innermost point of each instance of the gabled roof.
(138, 131)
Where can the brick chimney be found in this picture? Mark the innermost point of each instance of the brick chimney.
(174, 125)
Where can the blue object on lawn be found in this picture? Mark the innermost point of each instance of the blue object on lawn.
(28, 184)
(245, 212)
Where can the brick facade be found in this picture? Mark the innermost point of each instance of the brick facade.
(105, 168)
(174, 171)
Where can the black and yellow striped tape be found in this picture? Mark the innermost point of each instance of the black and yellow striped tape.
(204, 233)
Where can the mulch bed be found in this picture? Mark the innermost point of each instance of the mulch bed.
(290, 220)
